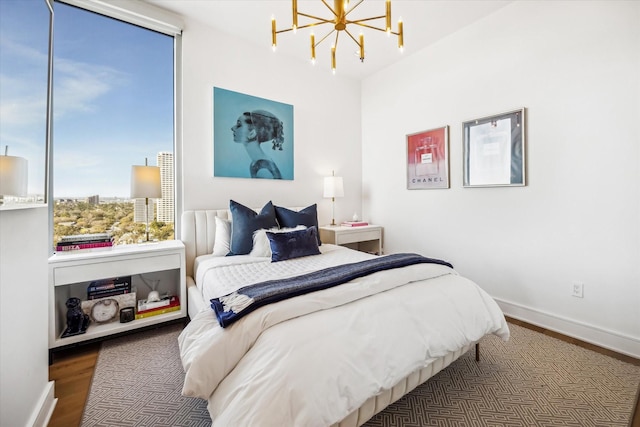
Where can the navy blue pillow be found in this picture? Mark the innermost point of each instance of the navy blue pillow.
(293, 244)
(244, 222)
(290, 219)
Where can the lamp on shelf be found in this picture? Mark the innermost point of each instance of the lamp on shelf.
(13, 176)
(333, 187)
(145, 184)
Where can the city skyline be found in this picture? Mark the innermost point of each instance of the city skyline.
(164, 160)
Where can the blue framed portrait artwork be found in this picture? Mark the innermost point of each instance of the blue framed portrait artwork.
(252, 137)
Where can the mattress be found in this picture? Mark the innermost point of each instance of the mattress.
(334, 357)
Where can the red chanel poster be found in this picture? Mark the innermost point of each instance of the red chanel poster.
(428, 159)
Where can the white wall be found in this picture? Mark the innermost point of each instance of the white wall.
(575, 66)
(26, 395)
(326, 112)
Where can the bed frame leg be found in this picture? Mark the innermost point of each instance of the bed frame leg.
(477, 352)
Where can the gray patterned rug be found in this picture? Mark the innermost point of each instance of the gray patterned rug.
(532, 380)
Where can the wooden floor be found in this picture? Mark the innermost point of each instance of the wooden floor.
(72, 371)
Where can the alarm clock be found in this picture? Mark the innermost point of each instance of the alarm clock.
(104, 310)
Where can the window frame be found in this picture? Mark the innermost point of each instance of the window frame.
(145, 16)
(34, 200)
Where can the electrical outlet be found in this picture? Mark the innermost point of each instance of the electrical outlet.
(578, 289)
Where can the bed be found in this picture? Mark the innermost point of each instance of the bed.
(333, 357)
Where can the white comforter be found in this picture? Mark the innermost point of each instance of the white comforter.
(313, 359)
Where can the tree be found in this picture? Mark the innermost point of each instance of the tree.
(116, 218)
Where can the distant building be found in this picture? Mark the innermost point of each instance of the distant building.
(165, 204)
(93, 200)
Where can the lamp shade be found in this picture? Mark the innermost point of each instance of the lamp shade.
(13, 176)
(333, 186)
(145, 182)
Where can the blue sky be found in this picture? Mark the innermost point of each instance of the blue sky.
(113, 95)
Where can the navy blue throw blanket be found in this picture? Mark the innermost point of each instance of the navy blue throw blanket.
(232, 307)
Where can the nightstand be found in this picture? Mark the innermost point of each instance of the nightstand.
(366, 238)
(71, 272)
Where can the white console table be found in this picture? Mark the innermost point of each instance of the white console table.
(71, 273)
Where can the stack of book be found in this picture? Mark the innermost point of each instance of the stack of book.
(109, 287)
(167, 304)
(84, 241)
(354, 223)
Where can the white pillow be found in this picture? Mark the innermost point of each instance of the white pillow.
(261, 245)
(222, 241)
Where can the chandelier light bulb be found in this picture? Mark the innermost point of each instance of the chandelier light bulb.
(388, 17)
(333, 59)
(273, 33)
(294, 6)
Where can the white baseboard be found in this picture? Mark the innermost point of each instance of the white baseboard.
(44, 409)
(621, 343)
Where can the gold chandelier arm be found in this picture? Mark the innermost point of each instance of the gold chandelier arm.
(373, 28)
(335, 44)
(284, 31)
(323, 20)
(327, 35)
(354, 7)
(330, 8)
(352, 38)
(305, 26)
(314, 24)
(365, 19)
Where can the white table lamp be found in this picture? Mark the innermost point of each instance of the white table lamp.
(333, 187)
(145, 184)
(13, 176)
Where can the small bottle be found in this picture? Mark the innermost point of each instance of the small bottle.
(355, 216)
(426, 157)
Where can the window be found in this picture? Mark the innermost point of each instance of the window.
(24, 75)
(113, 107)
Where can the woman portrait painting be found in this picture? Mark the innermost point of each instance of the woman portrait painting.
(259, 143)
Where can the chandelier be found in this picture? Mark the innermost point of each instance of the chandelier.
(339, 19)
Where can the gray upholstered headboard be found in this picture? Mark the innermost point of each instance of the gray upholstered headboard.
(199, 232)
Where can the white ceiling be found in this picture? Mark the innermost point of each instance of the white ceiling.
(425, 22)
